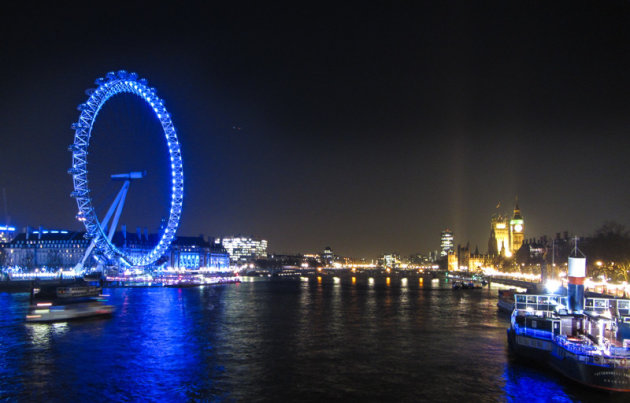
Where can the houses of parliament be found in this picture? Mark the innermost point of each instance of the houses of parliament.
(506, 238)
(506, 235)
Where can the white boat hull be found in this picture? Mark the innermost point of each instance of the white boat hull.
(68, 312)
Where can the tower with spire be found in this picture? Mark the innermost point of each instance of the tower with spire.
(506, 235)
(517, 228)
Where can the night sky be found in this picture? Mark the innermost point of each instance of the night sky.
(365, 128)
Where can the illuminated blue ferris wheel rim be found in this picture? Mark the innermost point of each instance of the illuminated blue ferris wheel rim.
(113, 84)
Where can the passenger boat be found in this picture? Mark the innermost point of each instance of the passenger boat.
(467, 285)
(62, 302)
(585, 347)
(581, 338)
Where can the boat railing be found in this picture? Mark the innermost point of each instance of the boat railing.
(620, 351)
(577, 348)
(540, 334)
(595, 355)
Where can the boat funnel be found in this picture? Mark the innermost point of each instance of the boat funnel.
(575, 289)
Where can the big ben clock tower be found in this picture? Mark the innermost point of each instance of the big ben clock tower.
(517, 229)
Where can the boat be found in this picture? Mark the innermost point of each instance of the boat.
(467, 284)
(582, 338)
(506, 300)
(585, 347)
(62, 302)
(474, 285)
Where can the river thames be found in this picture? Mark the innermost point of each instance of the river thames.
(278, 340)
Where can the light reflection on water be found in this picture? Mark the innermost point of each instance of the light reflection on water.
(277, 340)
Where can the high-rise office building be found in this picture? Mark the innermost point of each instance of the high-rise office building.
(243, 249)
(446, 242)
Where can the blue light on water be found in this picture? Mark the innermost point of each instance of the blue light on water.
(529, 382)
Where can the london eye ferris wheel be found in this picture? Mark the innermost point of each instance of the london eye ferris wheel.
(102, 231)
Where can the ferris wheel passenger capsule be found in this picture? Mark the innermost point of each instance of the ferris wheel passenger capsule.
(99, 81)
(110, 76)
(89, 91)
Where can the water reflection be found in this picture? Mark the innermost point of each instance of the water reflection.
(523, 383)
(277, 340)
(41, 334)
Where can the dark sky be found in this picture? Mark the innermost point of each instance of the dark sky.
(365, 128)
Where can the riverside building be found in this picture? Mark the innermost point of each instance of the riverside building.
(44, 248)
(244, 249)
(63, 249)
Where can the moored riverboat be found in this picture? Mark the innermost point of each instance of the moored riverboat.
(582, 346)
(579, 337)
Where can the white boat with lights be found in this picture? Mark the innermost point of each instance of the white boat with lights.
(582, 338)
(53, 303)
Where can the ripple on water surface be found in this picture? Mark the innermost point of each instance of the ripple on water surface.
(277, 340)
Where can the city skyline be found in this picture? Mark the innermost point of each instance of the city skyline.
(366, 129)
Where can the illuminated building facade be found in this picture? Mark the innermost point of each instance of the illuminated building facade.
(219, 257)
(244, 249)
(45, 248)
(6, 233)
(446, 243)
(506, 235)
(453, 262)
(327, 256)
(477, 263)
(193, 253)
(501, 235)
(391, 260)
(135, 244)
(53, 249)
